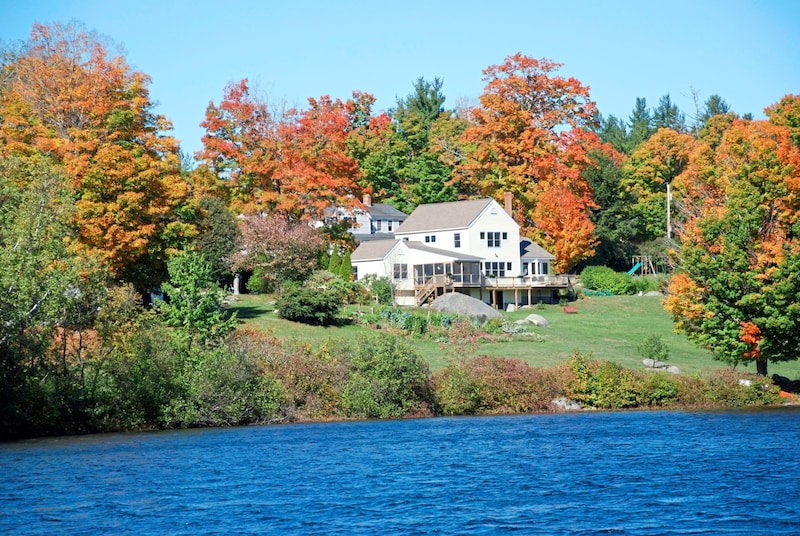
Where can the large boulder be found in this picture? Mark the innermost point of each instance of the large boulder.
(461, 304)
(534, 319)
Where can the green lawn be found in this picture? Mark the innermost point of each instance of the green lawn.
(604, 328)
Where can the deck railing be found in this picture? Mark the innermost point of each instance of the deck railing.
(504, 282)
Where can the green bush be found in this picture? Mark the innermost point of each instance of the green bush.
(457, 392)
(729, 388)
(224, 388)
(386, 377)
(315, 306)
(661, 389)
(604, 384)
(606, 279)
(653, 347)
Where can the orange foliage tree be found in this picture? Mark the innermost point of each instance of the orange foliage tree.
(64, 95)
(529, 137)
(653, 165)
(292, 162)
(738, 279)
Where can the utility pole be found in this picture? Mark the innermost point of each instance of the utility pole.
(669, 224)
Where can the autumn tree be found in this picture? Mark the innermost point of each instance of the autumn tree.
(369, 142)
(65, 95)
(530, 138)
(320, 175)
(786, 113)
(648, 171)
(242, 146)
(293, 162)
(277, 251)
(735, 291)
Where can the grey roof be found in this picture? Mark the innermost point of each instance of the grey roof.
(441, 216)
(372, 250)
(530, 249)
(382, 211)
(372, 237)
(419, 246)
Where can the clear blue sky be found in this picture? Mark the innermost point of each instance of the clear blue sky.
(747, 51)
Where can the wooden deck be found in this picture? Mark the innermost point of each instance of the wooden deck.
(425, 288)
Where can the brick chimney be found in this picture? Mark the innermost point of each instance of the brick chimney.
(367, 200)
(507, 197)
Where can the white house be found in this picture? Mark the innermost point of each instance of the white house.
(472, 247)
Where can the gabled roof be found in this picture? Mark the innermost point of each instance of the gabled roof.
(376, 250)
(419, 246)
(528, 249)
(373, 250)
(443, 216)
(382, 211)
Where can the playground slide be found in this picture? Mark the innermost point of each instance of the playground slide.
(635, 267)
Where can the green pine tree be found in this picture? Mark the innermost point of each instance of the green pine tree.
(346, 268)
(335, 262)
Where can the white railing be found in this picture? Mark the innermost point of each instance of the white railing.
(528, 281)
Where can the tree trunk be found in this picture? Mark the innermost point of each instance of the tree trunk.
(761, 367)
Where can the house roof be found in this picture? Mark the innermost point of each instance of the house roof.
(419, 246)
(440, 216)
(372, 237)
(373, 250)
(382, 211)
(529, 249)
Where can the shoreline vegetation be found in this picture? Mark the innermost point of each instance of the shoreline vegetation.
(378, 362)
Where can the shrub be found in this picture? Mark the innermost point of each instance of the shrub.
(604, 278)
(456, 391)
(379, 287)
(488, 385)
(309, 305)
(653, 347)
(603, 384)
(386, 377)
(661, 389)
(724, 388)
(225, 388)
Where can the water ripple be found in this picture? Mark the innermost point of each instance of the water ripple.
(632, 473)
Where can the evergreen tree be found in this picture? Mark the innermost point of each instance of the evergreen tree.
(335, 262)
(219, 233)
(422, 173)
(346, 268)
(641, 124)
(667, 115)
(614, 131)
(715, 105)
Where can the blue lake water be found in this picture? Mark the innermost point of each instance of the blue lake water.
(584, 473)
